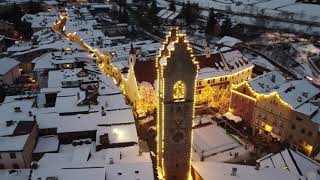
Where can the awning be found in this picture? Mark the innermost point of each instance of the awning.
(232, 117)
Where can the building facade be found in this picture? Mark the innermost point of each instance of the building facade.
(281, 110)
(19, 156)
(177, 72)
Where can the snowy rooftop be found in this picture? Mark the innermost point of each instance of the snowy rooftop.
(221, 64)
(57, 78)
(13, 143)
(214, 170)
(290, 160)
(8, 113)
(118, 134)
(48, 60)
(6, 64)
(18, 174)
(228, 41)
(267, 83)
(220, 141)
(47, 144)
(131, 165)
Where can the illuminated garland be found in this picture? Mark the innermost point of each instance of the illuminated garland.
(160, 65)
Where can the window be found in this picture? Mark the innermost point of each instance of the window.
(293, 126)
(179, 91)
(15, 166)
(298, 119)
(303, 130)
(13, 156)
(1, 166)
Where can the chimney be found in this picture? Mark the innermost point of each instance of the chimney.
(78, 95)
(234, 172)
(120, 155)
(17, 109)
(257, 166)
(30, 113)
(103, 113)
(273, 78)
(111, 161)
(299, 99)
(206, 50)
(305, 94)
(35, 118)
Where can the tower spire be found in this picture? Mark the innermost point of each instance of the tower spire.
(177, 71)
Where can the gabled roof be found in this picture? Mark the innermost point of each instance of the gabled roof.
(290, 160)
(6, 64)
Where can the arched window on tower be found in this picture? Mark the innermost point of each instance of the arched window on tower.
(179, 91)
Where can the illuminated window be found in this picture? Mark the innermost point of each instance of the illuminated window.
(179, 91)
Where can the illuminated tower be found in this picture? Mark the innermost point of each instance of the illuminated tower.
(177, 71)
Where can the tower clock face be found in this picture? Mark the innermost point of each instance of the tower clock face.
(178, 137)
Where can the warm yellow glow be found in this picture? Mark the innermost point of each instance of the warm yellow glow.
(179, 91)
(268, 128)
(273, 95)
(308, 148)
(243, 95)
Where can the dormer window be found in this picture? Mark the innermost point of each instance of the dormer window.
(179, 89)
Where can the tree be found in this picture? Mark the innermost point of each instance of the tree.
(172, 6)
(213, 27)
(152, 13)
(153, 8)
(221, 100)
(123, 16)
(190, 12)
(206, 95)
(226, 27)
(147, 101)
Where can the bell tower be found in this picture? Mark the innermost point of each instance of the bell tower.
(177, 71)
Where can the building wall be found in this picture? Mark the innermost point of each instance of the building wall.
(271, 117)
(29, 146)
(23, 158)
(11, 76)
(224, 82)
(9, 162)
(303, 133)
(242, 103)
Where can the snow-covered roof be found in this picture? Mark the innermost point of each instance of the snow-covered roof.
(47, 144)
(297, 92)
(291, 161)
(8, 113)
(219, 140)
(113, 102)
(6, 64)
(232, 117)
(51, 2)
(129, 165)
(13, 143)
(307, 108)
(209, 170)
(267, 83)
(18, 174)
(118, 134)
(57, 78)
(228, 41)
